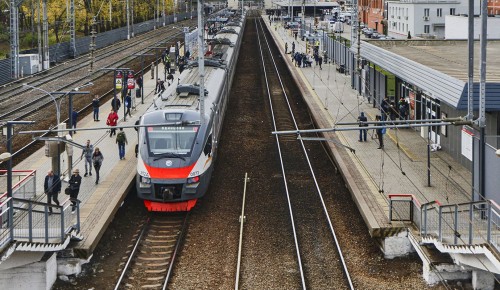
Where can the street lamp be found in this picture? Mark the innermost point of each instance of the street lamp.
(75, 91)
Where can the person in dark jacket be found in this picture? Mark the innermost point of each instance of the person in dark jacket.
(52, 187)
(115, 104)
(97, 159)
(380, 133)
(95, 106)
(128, 104)
(74, 184)
(74, 116)
(362, 132)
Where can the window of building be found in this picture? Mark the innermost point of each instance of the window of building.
(427, 28)
(452, 11)
(439, 12)
(426, 12)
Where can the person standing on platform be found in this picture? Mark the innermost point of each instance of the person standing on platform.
(128, 104)
(116, 104)
(87, 152)
(153, 70)
(52, 187)
(293, 48)
(74, 116)
(97, 159)
(286, 47)
(362, 132)
(384, 108)
(112, 122)
(95, 106)
(121, 140)
(380, 133)
(74, 185)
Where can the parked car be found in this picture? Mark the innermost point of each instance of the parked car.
(375, 35)
(368, 32)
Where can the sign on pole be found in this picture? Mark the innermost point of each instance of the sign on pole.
(130, 80)
(119, 80)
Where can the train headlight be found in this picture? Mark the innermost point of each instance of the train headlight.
(193, 182)
(145, 182)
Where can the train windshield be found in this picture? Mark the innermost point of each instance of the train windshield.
(176, 139)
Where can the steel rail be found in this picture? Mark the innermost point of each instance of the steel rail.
(296, 241)
(178, 244)
(240, 243)
(320, 195)
(132, 254)
(64, 72)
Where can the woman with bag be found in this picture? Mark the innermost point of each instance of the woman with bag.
(97, 159)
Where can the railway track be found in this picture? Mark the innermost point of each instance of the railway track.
(18, 101)
(153, 252)
(310, 218)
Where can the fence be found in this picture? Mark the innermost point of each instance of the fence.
(457, 224)
(31, 220)
(61, 51)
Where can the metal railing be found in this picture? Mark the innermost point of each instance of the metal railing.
(32, 221)
(469, 223)
(24, 184)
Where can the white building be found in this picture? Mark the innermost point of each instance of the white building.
(423, 18)
(456, 27)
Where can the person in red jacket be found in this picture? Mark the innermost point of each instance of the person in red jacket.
(112, 121)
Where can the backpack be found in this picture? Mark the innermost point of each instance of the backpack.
(120, 138)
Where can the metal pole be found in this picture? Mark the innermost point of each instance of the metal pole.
(9, 178)
(470, 45)
(142, 75)
(14, 39)
(45, 31)
(114, 90)
(201, 60)
(70, 110)
(132, 16)
(124, 91)
(72, 30)
(128, 19)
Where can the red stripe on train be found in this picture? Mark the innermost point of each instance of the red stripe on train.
(182, 172)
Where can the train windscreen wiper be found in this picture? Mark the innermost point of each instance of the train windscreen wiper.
(170, 155)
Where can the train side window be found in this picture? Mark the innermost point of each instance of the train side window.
(208, 146)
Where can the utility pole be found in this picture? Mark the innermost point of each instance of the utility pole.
(201, 60)
(92, 43)
(132, 14)
(45, 32)
(39, 35)
(72, 32)
(14, 39)
(303, 24)
(128, 19)
(164, 14)
(481, 121)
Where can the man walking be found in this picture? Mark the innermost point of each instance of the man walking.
(128, 104)
(52, 187)
(87, 152)
(121, 140)
(74, 185)
(95, 105)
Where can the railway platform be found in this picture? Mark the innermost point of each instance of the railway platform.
(375, 176)
(98, 202)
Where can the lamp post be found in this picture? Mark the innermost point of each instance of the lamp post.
(142, 55)
(75, 91)
(10, 125)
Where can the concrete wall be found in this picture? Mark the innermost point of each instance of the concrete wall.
(456, 27)
(37, 275)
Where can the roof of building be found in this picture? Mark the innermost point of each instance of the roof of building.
(440, 67)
